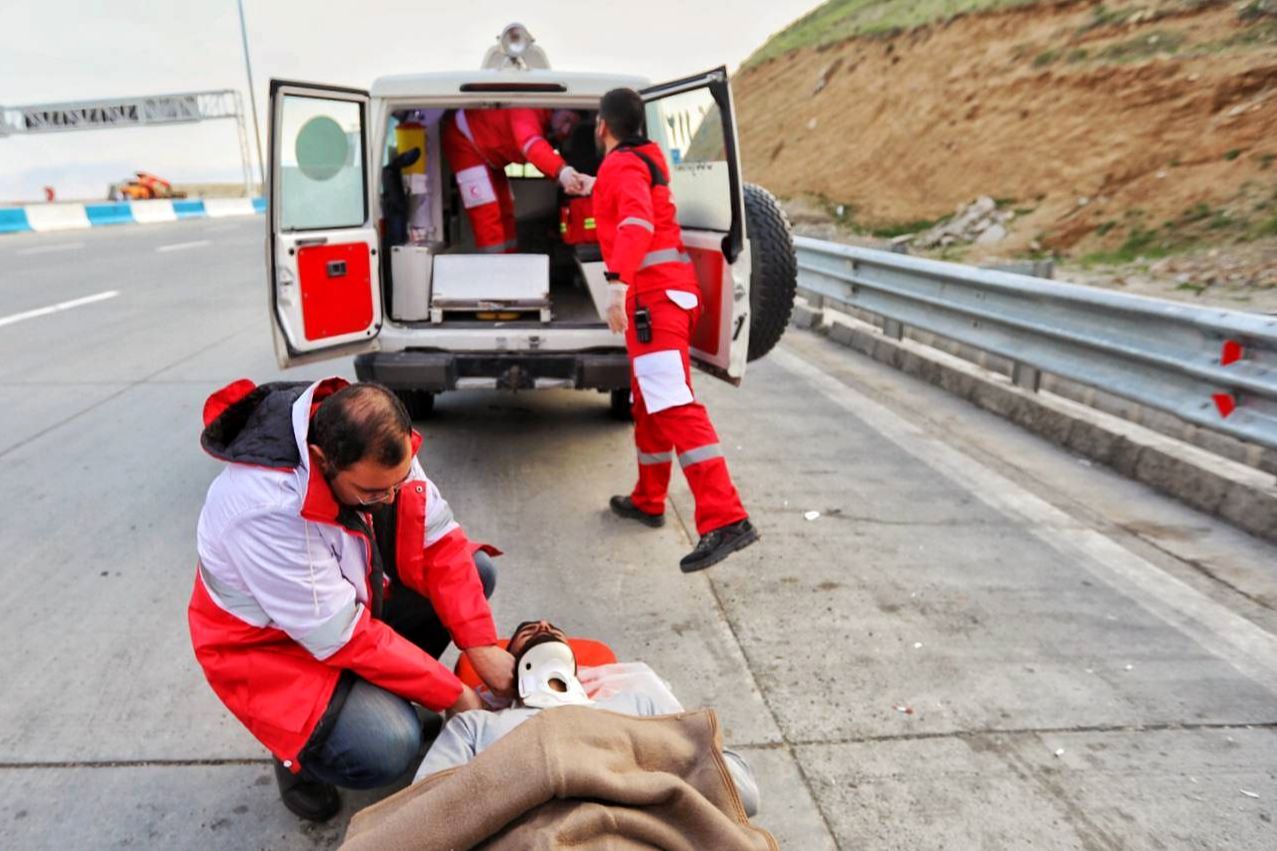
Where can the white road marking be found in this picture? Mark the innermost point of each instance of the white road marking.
(179, 246)
(1218, 629)
(49, 249)
(56, 308)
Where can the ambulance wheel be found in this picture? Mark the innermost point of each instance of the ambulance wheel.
(621, 405)
(773, 279)
(420, 403)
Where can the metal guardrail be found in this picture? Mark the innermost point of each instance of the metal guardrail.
(1212, 367)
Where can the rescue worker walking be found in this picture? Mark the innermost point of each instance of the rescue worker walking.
(655, 302)
(480, 143)
(331, 577)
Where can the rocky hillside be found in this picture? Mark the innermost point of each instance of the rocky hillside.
(1111, 130)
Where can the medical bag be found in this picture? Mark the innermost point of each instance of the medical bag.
(576, 221)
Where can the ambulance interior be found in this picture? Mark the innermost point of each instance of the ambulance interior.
(425, 280)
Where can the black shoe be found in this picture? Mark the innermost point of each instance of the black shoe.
(718, 544)
(306, 798)
(623, 506)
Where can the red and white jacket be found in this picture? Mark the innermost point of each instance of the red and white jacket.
(505, 136)
(638, 223)
(281, 604)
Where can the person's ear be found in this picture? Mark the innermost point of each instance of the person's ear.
(324, 466)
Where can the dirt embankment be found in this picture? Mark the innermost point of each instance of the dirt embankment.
(1102, 127)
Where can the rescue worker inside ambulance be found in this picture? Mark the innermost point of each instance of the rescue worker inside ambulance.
(655, 302)
(480, 143)
(547, 676)
(331, 577)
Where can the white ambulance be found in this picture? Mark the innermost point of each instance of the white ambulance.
(372, 256)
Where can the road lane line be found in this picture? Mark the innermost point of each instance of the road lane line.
(179, 246)
(1243, 644)
(56, 308)
(49, 249)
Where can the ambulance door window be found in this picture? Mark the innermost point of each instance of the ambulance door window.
(323, 184)
(689, 126)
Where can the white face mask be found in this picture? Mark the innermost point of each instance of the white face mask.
(547, 677)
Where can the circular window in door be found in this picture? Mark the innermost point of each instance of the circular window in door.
(322, 149)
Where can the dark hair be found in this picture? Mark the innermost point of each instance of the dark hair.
(624, 112)
(361, 421)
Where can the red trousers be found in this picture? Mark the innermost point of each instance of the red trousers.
(485, 193)
(668, 420)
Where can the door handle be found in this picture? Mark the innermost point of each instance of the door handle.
(314, 240)
(336, 268)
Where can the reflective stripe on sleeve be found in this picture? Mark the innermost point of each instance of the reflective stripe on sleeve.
(699, 454)
(650, 458)
(635, 220)
(665, 255)
(532, 141)
(331, 635)
(239, 603)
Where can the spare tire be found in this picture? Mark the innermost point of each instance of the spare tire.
(773, 279)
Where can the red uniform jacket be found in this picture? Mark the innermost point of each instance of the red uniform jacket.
(505, 136)
(638, 222)
(281, 604)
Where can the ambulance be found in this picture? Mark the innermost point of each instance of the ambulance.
(370, 253)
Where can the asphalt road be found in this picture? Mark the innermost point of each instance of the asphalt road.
(981, 642)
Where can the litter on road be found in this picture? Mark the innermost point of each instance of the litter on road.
(811, 515)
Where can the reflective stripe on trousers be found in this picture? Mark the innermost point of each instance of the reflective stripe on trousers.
(665, 255)
(649, 458)
(699, 454)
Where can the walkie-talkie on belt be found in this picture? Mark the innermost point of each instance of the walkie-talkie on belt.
(642, 322)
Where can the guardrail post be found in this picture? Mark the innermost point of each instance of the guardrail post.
(893, 329)
(1023, 375)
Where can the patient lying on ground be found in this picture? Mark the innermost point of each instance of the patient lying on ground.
(547, 676)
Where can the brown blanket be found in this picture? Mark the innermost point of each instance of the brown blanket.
(575, 777)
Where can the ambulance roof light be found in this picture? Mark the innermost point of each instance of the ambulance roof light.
(515, 49)
(515, 40)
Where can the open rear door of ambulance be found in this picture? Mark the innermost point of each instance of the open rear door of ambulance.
(691, 119)
(325, 280)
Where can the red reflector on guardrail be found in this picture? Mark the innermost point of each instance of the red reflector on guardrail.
(1231, 352)
(1225, 404)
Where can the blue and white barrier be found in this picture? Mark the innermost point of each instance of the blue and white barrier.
(54, 217)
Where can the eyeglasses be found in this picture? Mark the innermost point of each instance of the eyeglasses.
(374, 497)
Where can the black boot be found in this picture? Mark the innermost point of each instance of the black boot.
(718, 544)
(623, 506)
(306, 798)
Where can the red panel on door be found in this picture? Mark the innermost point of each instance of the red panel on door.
(336, 288)
(709, 275)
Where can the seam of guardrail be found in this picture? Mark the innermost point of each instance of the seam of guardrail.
(55, 217)
(1214, 367)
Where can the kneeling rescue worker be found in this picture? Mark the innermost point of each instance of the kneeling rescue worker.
(655, 302)
(480, 143)
(331, 577)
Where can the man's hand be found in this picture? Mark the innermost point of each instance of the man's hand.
(587, 184)
(468, 700)
(572, 181)
(495, 667)
(616, 318)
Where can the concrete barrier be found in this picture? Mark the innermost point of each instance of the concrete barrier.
(55, 217)
(101, 215)
(14, 220)
(52, 217)
(216, 208)
(149, 212)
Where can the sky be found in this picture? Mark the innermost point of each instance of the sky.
(135, 47)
